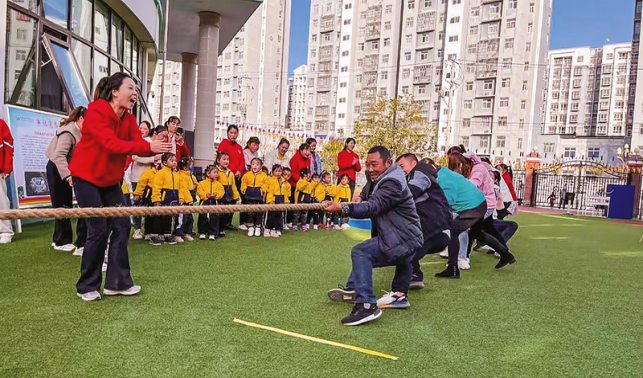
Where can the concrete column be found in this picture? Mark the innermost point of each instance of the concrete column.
(188, 90)
(635, 179)
(206, 100)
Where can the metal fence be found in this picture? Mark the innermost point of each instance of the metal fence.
(519, 186)
(549, 188)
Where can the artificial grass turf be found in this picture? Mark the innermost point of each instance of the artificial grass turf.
(570, 307)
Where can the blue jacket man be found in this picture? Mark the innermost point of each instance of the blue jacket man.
(396, 235)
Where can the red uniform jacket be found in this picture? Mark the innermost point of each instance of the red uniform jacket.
(345, 164)
(296, 164)
(237, 161)
(6, 149)
(510, 185)
(182, 151)
(101, 155)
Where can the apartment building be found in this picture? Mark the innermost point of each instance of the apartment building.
(297, 99)
(634, 132)
(478, 66)
(587, 101)
(252, 80)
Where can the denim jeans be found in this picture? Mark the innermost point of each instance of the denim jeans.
(118, 275)
(464, 239)
(366, 256)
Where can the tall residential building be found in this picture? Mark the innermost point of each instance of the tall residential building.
(297, 92)
(586, 103)
(252, 74)
(483, 61)
(252, 79)
(634, 132)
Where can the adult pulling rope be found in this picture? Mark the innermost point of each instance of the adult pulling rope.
(107, 212)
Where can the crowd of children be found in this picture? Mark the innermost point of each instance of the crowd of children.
(170, 183)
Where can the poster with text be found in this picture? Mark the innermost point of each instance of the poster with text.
(32, 131)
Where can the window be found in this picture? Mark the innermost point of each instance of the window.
(504, 102)
(506, 82)
(455, 20)
(486, 103)
(519, 144)
(576, 95)
(387, 25)
(465, 141)
(422, 89)
(511, 24)
(409, 22)
(466, 122)
(475, 12)
(573, 118)
(509, 43)
(526, 66)
(344, 69)
(342, 100)
(347, 22)
(602, 117)
(348, 6)
(453, 38)
(531, 8)
(360, 47)
(524, 86)
(384, 75)
(456, 2)
(313, 38)
(345, 53)
(426, 37)
(578, 71)
(358, 94)
(385, 58)
(387, 42)
(484, 142)
(428, 3)
(424, 55)
(327, 37)
(605, 93)
(473, 30)
(620, 92)
(468, 104)
(469, 86)
(593, 153)
(341, 115)
(610, 56)
(523, 105)
(492, 29)
(528, 46)
(500, 141)
(346, 37)
(513, 4)
(506, 64)
(408, 38)
(411, 4)
(375, 45)
(570, 152)
(405, 89)
(606, 81)
(406, 73)
(530, 27)
(388, 9)
(502, 121)
(343, 84)
(622, 55)
(488, 85)
(407, 56)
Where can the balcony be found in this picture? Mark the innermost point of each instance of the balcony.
(487, 69)
(324, 84)
(490, 17)
(327, 24)
(488, 49)
(423, 74)
(369, 80)
(326, 54)
(372, 32)
(371, 62)
(426, 22)
(485, 92)
(322, 112)
(374, 14)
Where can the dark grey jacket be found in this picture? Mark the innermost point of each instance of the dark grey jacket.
(389, 204)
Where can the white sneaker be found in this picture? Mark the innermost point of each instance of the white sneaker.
(251, 231)
(444, 254)
(278, 234)
(212, 237)
(179, 239)
(345, 226)
(138, 235)
(65, 248)
(257, 231)
(79, 251)
(5, 239)
(91, 296)
(104, 267)
(393, 300)
(337, 227)
(267, 233)
(315, 227)
(464, 264)
(131, 291)
(275, 234)
(188, 238)
(203, 237)
(243, 227)
(287, 226)
(497, 254)
(148, 237)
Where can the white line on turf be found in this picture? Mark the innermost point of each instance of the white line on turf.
(551, 225)
(562, 217)
(549, 237)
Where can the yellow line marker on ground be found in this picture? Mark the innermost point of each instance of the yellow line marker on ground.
(315, 339)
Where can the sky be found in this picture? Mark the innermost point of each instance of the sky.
(575, 23)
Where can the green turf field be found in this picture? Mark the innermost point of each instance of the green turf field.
(571, 306)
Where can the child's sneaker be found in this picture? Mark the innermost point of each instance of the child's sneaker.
(295, 228)
(179, 239)
(138, 235)
(213, 238)
(337, 227)
(304, 228)
(243, 227)
(251, 231)
(278, 234)
(221, 234)
(203, 237)
(257, 231)
(148, 237)
(345, 226)
(188, 237)
(328, 227)
(266, 233)
(170, 239)
(155, 240)
(315, 227)
(274, 234)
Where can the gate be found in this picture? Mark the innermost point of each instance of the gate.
(573, 178)
(519, 186)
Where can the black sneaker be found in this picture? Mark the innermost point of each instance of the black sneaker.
(451, 271)
(341, 294)
(170, 239)
(155, 240)
(362, 313)
(507, 259)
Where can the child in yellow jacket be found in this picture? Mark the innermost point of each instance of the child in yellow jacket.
(185, 224)
(317, 195)
(251, 184)
(302, 195)
(168, 190)
(209, 191)
(142, 196)
(329, 189)
(277, 191)
(231, 196)
(342, 193)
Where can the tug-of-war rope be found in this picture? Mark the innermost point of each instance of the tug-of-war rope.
(108, 212)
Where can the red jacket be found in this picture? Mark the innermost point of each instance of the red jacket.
(510, 185)
(6, 149)
(345, 164)
(182, 151)
(237, 161)
(101, 155)
(296, 164)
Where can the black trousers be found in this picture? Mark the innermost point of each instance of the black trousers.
(486, 233)
(62, 196)
(275, 221)
(462, 222)
(118, 275)
(254, 219)
(316, 215)
(208, 224)
(243, 217)
(435, 244)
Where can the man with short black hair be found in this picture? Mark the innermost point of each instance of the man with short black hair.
(396, 235)
(432, 207)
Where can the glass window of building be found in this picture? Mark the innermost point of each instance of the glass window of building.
(81, 18)
(101, 25)
(31, 5)
(128, 49)
(101, 67)
(135, 56)
(56, 11)
(114, 67)
(52, 96)
(83, 55)
(20, 79)
(117, 37)
(70, 75)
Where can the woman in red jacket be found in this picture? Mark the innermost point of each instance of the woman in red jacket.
(109, 135)
(300, 160)
(348, 163)
(507, 176)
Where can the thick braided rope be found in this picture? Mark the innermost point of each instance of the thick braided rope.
(106, 212)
